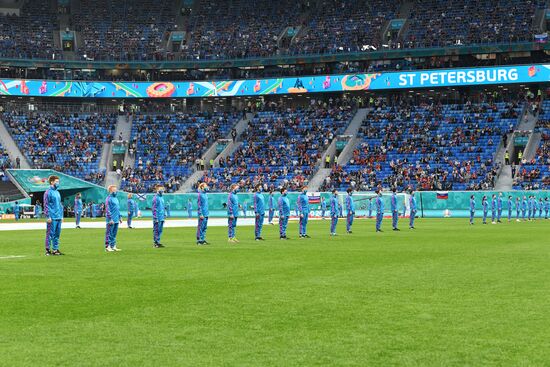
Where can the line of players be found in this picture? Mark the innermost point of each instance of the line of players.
(53, 211)
(527, 207)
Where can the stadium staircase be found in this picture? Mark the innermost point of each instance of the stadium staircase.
(123, 129)
(11, 146)
(211, 153)
(345, 154)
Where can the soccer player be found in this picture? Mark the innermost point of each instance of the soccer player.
(167, 208)
(284, 214)
(394, 212)
(232, 213)
(524, 207)
(510, 207)
(493, 209)
(53, 210)
(350, 209)
(16, 210)
(541, 207)
(340, 209)
(113, 218)
(379, 210)
(131, 210)
(158, 216)
(303, 211)
(546, 207)
(244, 208)
(472, 209)
(78, 209)
(37, 209)
(202, 212)
(271, 204)
(323, 207)
(499, 207)
(333, 212)
(412, 206)
(518, 208)
(189, 208)
(530, 207)
(371, 207)
(485, 206)
(259, 213)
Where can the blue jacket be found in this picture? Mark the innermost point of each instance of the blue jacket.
(112, 209)
(350, 205)
(493, 204)
(202, 204)
(52, 204)
(412, 202)
(324, 205)
(485, 205)
(393, 202)
(16, 209)
(158, 208)
(77, 205)
(131, 206)
(259, 203)
(284, 206)
(334, 206)
(272, 202)
(303, 204)
(510, 204)
(499, 203)
(379, 204)
(524, 204)
(472, 205)
(232, 205)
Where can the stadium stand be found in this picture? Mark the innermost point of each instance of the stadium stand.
(5, 163)
(427, 147)
(166, 147)
(67, 143)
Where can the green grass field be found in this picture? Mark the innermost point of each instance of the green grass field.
(446, 294)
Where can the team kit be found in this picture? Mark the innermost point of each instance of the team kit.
(53, 210)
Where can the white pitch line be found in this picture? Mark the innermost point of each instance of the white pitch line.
(11, 257)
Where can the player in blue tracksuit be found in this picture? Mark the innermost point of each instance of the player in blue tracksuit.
(284, 214)
(546, 208)
(272, 204)
(203, 213)
(158, 216)
(131, 204)
(259, 213)
(518, 208)
(472, 208)
(78, 209)
(232, 213)
(17, 210)
(303, 212)
(244, 208)
(53, 210)
(350, 210)
(113, 218)
(340, 209)
(535, 207)
(499, 207)
(494, 209)
(167, 208)
(412, 207)
(485, 206)
(323, 207)
(394, 210)
(510, 207)
(189, 208)
(371, 207)
(37, 209)
(541, 208)
(530, 207)
(524, 207)
(379, 210)
(333, 212)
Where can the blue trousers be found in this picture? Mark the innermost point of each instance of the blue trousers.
(190, 213)
(110, 234)
(333, 223)
(370, 213)
(53, 231)
(258, 224)
(349, 221)
(499, 213)
(413, 214)
(540, 213)
(493, 214)
(517, 213)
(129, 220)
(323, 213)
(158, 226)
(77, 216)
(546, 214)
(201, 228)
(303, 224)
(271, 214)
(485, 216)
(16, 215)
(379, 217)
(231, 226)
(529, 213)
(283, 224)
(523, 214)
(394, 218)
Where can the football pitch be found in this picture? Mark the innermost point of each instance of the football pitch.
(445, 294)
